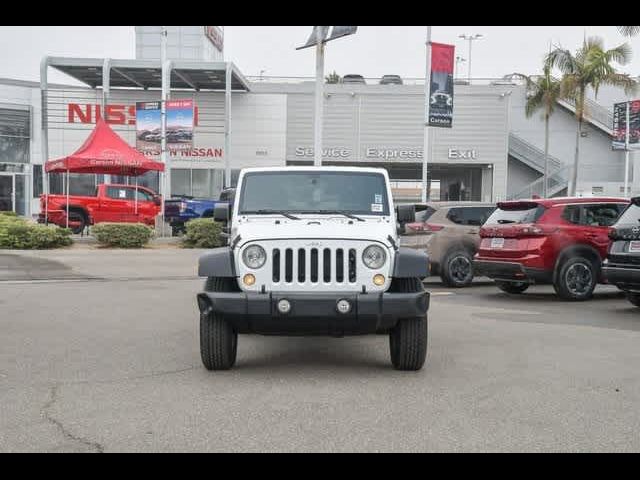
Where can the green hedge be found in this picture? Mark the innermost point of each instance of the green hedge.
(19, 234)
(122, 235)
(203, 233)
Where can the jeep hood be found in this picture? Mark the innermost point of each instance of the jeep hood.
(377, 230)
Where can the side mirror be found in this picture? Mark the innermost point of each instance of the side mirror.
(157, 199)
(406, 214)
(221, 213)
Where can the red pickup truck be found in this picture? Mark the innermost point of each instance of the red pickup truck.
(111, 203)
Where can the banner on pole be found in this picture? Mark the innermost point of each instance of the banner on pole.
(440, 104)
(180, 125)
(148, 127)
(620, 125)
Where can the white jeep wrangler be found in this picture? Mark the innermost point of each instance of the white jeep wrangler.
(313, 251)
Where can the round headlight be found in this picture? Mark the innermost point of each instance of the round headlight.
(254, 257)
(374, 257)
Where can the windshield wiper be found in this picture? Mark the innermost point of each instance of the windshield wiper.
(506, 222)
(271, 212)
(332, 212)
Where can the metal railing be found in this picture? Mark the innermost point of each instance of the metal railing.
(531, 155)
(594, 113)
(557, 182)
(376, 80)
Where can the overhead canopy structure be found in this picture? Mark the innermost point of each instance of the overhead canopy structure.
(147, 74)
(105, 152)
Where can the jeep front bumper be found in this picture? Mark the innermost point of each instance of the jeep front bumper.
(314, 313)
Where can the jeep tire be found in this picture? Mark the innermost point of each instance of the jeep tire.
(576, 279)
(457, 269)
(408, 339)
(634, 299)
(218, 340)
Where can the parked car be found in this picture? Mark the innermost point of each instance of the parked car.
(111, 203)
(622, 266)
(354, 79)
(391, 80)
(178, 211)
(321, 259)
(562, 241)
(450, 235)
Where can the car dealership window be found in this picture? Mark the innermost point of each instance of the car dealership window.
(199, 183)
(15, 135)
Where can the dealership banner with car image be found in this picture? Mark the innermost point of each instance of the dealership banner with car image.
(620, 125)
(440, 105)
(180, 124)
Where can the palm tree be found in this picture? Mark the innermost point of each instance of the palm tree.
(543, 93)
(629, 31)
(591, 67)
(333, 78)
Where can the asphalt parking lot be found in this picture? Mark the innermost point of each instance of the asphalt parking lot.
(99, 353)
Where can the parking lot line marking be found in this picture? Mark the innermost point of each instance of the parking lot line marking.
(442, 294)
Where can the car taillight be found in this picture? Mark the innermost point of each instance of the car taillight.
(433, 227)
(183, 207)
(535, 231)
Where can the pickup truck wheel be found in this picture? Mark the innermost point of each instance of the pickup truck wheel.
(576, 279)
(408, 339)
(218, 340)
(457, 269)
(75, 216)
(513, 288)
(634, 299)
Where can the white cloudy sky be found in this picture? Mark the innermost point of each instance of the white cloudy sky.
(373, 52)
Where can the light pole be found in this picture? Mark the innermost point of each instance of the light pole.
(470, 38)
(459, 60)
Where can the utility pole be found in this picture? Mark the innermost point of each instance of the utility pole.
(626, 152)
(427, 129)
(166, 187)
(319, 110)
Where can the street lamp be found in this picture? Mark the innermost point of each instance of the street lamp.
(470, 39)
(459, 60)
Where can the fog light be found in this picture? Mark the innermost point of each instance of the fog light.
(249, 280)
(344, 306)
(379, 280)
(284, 306)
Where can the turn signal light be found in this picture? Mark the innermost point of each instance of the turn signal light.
(378, 280)
(249, 280)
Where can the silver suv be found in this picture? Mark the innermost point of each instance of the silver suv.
(450, 234)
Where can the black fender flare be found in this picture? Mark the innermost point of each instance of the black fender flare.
(411, 263)
(573, 250)
(217, 263)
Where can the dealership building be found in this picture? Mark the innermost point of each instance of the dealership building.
(492, 153)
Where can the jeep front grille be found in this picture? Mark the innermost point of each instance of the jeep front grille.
(314, 265)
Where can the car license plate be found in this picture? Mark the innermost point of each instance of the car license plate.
(634, 247)
(497, 243)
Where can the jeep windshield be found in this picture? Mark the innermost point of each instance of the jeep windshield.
(322, 192)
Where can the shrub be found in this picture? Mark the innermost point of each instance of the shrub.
(203, 233)
(122, 235)
(19, 234)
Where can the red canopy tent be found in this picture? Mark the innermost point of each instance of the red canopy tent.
(104, 152)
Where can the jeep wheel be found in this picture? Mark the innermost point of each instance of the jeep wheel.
(457, 269)
(576, 279)
(634, 299)
(408, 339)
(218, 340)
(513, 288)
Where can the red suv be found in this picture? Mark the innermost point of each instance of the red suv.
(561, 241)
